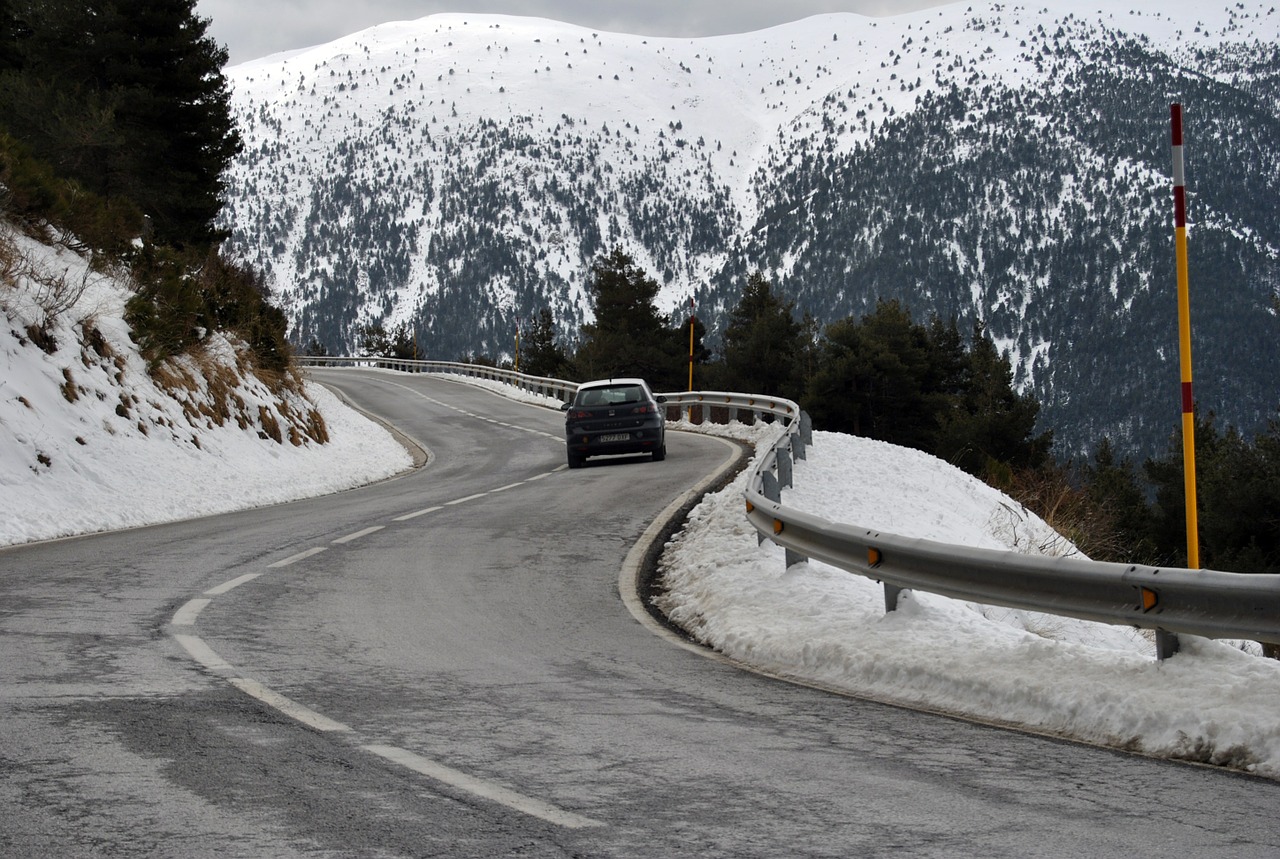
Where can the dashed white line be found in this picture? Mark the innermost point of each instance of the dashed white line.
(205, 655)
(231, 585)
(357, 535)
(293, 559)
(484, 789)
(406, 517)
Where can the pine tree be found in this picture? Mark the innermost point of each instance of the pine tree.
(988, 421)
(541, 355)
(629, 336)
(129, 100)
(762, 342)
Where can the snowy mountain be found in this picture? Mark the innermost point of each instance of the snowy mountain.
(1001, 163)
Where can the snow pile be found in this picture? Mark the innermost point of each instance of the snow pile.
(1212, 702)
(84, 426)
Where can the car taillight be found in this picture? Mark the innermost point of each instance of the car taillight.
(579, 415)
(641, 410)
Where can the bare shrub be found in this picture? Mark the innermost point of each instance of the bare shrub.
(1068, 509)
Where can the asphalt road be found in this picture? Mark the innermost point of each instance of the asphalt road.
(443, 664)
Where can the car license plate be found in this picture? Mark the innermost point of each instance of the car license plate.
(626, 436)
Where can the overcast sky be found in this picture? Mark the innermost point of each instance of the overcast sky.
(255, 28)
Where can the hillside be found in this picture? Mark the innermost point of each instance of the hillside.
(984, 161)
(85, 424)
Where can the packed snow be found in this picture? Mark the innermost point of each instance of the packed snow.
(89, 442)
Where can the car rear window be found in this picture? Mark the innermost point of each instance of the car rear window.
(610, 396)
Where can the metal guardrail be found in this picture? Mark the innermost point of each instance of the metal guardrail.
(1207, 603)
(557, 388)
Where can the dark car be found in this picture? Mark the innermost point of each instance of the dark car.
(614, 416)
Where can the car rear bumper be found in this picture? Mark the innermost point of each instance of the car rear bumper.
(611, 441)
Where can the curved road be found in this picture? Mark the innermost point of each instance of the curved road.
(442, 665)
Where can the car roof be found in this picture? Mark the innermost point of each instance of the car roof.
(609, 383)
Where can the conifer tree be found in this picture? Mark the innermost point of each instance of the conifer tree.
(541, 355)
(629, 337)
(763, 342)
(989, 422)
(126, 98)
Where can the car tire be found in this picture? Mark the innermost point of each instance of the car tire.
(575, 461)
(660, 453)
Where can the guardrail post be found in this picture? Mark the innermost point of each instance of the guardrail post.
(783, 459)
(1166, 644)
(806, 429)
(770, 489)
(891, 597)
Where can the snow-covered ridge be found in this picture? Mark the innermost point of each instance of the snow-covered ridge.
(703, 118)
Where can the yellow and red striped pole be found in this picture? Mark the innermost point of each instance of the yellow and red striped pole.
(1184, 341)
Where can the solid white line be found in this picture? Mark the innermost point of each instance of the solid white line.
(357, 535)
(508, 486)
(468, 498)
(293, 559)
(231, 585)
(483, 789)
(408, 516)
(289, 707)
(202, 653)
(540, 476)
(186, 616)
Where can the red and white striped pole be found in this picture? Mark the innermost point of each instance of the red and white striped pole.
(1184, 339)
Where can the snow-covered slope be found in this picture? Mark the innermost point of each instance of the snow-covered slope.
(91, 441)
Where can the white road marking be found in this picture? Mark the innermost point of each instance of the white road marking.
(468, 498)
(357, 535)
(293, 559)
(231, 585)
(508, 486)
(408, 516)
(202, 653)
(540, 476)
(289, 707)
(483, 789)
(186, 616)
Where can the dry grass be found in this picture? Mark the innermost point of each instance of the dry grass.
(69, 390)
(209, 391)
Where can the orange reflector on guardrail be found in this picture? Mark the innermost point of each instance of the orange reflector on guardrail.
(1149, 598)
(750, 507)
(873, 557)
(777, 526)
